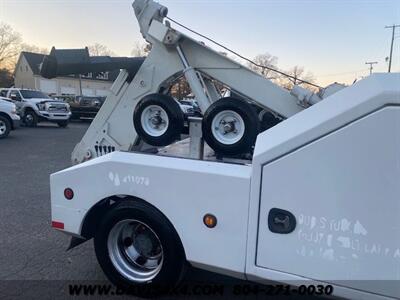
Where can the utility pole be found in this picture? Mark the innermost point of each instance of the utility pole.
(80, 84)
(370, 66)
(391, 47)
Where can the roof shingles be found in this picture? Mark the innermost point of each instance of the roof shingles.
(35, 59)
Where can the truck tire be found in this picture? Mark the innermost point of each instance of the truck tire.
(158, 120)
(267, 120)
(139, 249)
(5, 127)
(230, 126)
(63, 124)
(30, 119)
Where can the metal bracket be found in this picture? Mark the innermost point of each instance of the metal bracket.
(196, 138)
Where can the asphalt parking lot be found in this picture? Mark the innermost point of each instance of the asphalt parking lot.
(33, 258)
(30, 249)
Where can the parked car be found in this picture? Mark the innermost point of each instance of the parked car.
(34, 106)
(84, 107)
(190, 108)
(3, 93)
(9, 120)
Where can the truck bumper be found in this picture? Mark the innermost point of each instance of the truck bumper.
(16, 122)
(54, 116)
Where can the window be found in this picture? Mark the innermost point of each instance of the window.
(15, 95)
(102, 75)
(88, 75)
(186, 102)
(28, 94)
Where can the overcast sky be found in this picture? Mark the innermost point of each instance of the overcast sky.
(331, 38)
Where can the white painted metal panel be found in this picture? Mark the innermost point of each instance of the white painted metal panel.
(67, 90)
(87, 92)
(183, 190)
(344, 192)
(102, 93)
(48, 86)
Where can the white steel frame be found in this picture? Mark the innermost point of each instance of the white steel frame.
(173, 54)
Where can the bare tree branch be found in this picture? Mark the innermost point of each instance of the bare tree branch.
(34, 49)
(10, 45)
(299, 74)
(266, 60)
(100, 50)
(140, 50)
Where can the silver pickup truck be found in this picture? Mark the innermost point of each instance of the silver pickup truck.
(35, 106)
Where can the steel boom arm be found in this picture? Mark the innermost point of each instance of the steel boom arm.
(173, 54)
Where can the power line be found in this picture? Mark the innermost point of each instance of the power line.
(391, 46)
(243, 57)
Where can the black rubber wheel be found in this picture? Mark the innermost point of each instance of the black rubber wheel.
(5, 127)
(267, 120)
(243, 137)
(111, 248)
(158, 119)
(30, 118)
(63, 124)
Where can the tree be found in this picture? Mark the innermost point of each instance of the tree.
(180, 89)
(100, 50)
(298, 74)
(140, 50)
(6, 78)
(10, 46)
(266, 60)
(34, 49)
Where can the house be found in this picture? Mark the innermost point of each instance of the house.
(27, 75)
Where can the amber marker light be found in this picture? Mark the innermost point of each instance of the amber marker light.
(210, 220)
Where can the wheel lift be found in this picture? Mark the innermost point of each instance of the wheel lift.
(230, 126)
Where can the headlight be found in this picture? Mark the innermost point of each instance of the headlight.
(41, 106)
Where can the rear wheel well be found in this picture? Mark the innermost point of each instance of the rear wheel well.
(97, 213)
(29, 109)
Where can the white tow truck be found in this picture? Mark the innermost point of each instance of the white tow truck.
(317, 203)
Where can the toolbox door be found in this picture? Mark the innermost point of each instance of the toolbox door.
(330, 210)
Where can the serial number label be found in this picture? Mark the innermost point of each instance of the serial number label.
(118, 179)
(271, 290)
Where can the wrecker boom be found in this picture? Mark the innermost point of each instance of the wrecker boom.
(172, 54)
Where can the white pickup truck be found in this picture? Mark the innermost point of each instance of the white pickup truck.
(9, 119)
(35, 106)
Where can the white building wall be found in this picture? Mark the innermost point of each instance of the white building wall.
(24, 77)
(71, 86)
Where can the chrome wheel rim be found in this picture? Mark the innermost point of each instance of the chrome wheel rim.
(3, 127)
(154, 120)
(29, 118)
(228, 127)
(135, 250)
